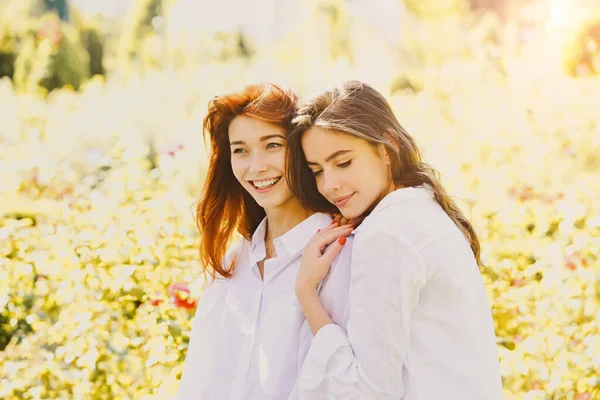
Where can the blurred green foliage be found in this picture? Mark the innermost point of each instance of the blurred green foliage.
(39, 51)
(98, 247)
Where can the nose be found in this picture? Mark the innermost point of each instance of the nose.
(330, 183)
(257, 163)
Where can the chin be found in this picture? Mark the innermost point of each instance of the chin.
(275, 202)
(262, 202)
(350, 214)
(267, 203)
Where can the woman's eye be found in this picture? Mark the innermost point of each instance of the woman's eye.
(238, 151)
(273, 146)
(316, 173)
(345, 164)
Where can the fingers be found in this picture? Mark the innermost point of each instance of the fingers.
(338, 218)
(344, 221)
(333, 225)
(324, 238)
(330, 235)
(333, 251)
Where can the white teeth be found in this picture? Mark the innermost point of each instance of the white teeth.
(266, 183)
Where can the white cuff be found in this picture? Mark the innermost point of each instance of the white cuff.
(328, 340)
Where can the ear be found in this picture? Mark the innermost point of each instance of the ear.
(383, 153)
(391, 139)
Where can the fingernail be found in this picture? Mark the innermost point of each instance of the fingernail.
(334, 223)
(318, 230)
(342, 240)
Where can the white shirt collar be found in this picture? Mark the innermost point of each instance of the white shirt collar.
(408, 193)
(290, 243)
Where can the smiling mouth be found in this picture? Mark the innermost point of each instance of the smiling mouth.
(265, 183)
(341, 201)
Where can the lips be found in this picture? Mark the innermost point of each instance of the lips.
(342, 201)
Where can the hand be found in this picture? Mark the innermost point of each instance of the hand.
(340, 219)
(315, 264)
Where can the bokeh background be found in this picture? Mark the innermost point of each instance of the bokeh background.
(102, 159)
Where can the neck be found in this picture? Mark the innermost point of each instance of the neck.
(282, 218)
(391, 187)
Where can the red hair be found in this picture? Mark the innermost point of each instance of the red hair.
(225, 206)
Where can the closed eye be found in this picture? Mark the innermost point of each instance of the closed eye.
(316, 173)
(345, 164)
(274, 145)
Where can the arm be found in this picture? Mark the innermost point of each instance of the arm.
(367, 361)
(312, 308)
(204, 345)
(315, 265)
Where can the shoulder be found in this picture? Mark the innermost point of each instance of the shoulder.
(413, 222)
(236, 254)
(413, 232)
(382, 255)
(236, 250)
(381, 241)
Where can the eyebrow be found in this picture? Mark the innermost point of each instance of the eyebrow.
(331, 156)
(262, 139)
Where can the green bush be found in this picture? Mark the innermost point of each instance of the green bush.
(52, 58)
(38, 50)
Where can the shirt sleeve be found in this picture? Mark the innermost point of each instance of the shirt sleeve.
(205, 340)
(366, 362)
(196, 377)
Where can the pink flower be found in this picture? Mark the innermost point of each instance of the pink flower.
(51, 30)
(179, 294)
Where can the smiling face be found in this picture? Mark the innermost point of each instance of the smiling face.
(258, 160)
(350, 172)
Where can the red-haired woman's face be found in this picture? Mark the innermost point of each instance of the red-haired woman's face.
(258, 160)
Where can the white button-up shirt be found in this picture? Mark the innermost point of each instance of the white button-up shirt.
(249, 336)
(419, 324)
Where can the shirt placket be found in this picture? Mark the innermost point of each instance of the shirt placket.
(251, 339)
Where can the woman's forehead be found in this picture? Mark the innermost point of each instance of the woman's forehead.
(245, 128)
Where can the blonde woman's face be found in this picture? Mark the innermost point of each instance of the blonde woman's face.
(349, 171)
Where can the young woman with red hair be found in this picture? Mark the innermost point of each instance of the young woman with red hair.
(249, 335)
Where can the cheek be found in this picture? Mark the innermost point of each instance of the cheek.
(237, 166)
(320, 183)
(378, 179)
(277, 160)
(359, 176)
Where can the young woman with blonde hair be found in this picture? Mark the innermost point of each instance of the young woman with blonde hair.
(419, 323)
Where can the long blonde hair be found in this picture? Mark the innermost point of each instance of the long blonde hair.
(359, 110)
